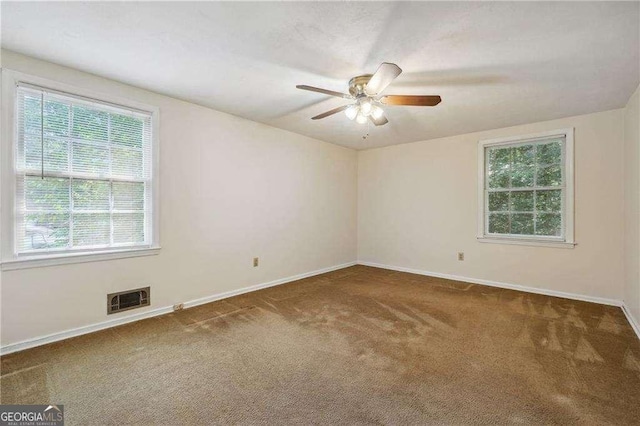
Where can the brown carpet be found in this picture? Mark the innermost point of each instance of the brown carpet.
(356, 346)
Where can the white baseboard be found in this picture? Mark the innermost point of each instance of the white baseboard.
(546, 292)
(43, 340)
(635, 324)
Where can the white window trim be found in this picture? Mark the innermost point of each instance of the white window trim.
(9, 260)
(568, 205)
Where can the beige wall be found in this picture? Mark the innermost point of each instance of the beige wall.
(417, 207)
(231, 189)
(632, 205)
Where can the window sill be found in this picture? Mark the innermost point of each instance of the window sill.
(62, 259)
(524, 242)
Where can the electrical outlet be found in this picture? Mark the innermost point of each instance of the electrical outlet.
(178, 307)
(460, 255)
(255, 261)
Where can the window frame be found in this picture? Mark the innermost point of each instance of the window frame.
(9, 259)
(568, 241)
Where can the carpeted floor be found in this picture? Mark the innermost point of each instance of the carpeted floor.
(356, 346)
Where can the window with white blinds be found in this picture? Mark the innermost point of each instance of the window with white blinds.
(83, 174)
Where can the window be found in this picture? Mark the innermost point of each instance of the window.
(83, 175)
(526, 189)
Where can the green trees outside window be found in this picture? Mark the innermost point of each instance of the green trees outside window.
(524, 188)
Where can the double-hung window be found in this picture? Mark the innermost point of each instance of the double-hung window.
(526, 189)
(83, 175)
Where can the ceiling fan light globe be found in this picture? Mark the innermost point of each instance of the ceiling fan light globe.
(376, 112)
(361, 118)
(351, 112)
(365, 107)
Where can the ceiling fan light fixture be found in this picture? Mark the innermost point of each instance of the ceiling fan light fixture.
(376, 112)
(361, 118)
(351, 111)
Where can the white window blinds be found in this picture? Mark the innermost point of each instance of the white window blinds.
(83, 174)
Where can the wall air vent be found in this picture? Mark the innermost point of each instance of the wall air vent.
(130, 299)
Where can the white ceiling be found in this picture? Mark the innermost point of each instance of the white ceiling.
(494, 64)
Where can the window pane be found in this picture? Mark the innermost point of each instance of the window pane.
(30, 154)
(44, 231)
(549, 224)
(498, 223)
(499, 179)
(90, 159)
(90, 194)
(126, 162)
(50, 194)
(498, 168)
(128, 195)
(549, 201)
(31, 114)
(550, 176)
(522, 176)
(56, 155)
(128, 228)
(549, 153)
(499, 158)
(127, 131)
(91, 229)
(89, 124)
(499, 201)
(56, 118)
(522, 201)
(524, 155)
(522, 223)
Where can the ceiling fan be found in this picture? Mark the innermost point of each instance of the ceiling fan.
(365, 90)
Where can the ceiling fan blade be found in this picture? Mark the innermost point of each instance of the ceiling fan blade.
(412, 100)
(385, 74)
(325, 91)
(381, 121)
(331, 112)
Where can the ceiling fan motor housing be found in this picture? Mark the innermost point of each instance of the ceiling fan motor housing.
(357, 85)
